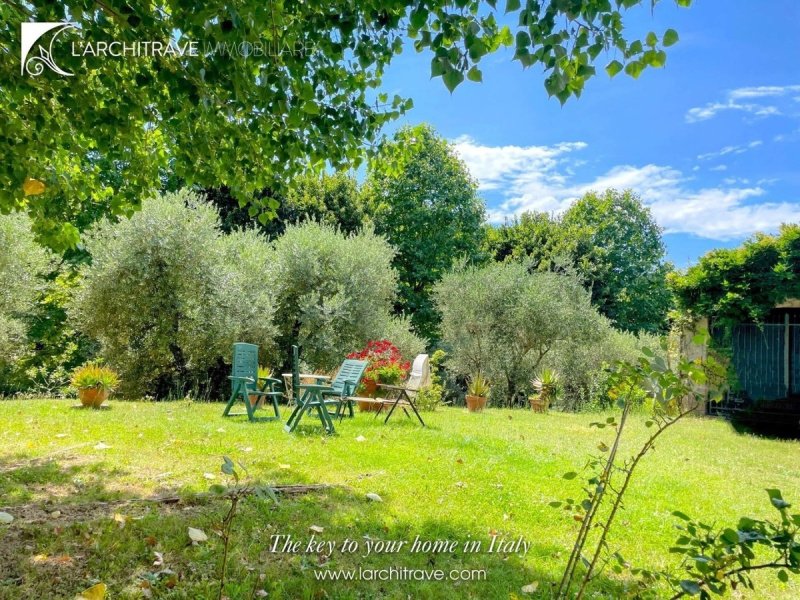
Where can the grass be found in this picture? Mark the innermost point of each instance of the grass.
(465, 477)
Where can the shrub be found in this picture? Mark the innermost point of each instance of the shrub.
(385, 363)
(398, 329)
(584, 368)
(166, 294)
(332, 292)
(23, 265)
(503, 321)
(430, 396)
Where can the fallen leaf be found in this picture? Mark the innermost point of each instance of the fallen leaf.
(5, 518)
(209, 475)
(159, 561)
(150, 540)
(461, 484)
(530, 588)
(32, 187)
(460, 461)
(316, 529)
(361, 438)
(374, 497)
(261, 593)
(221, 430)
(120, 519)
(102, 446)
(197, 535)
(96, 592)
(285, 466)
(61, 435)
(55, 514)
(248, 449)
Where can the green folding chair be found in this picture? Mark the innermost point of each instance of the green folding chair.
(247, 386)
(319, 397)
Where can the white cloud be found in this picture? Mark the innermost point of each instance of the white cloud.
(719, 168)
(535, 178)
(746, 99)
(731, 150)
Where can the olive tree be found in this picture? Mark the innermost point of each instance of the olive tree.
(166, 294)
(23, 264)
(333, 292)
(504, 321)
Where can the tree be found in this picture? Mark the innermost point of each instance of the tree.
(248, 96)
(428, 208)
(503, 321)
(23, 267)
(167, 294)
(741, 285)
(531, 235)
(334, 199)
(333, 293)
(616, 246)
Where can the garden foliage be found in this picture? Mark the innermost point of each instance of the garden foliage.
(333, 292)
(166, 294)
(503, 321)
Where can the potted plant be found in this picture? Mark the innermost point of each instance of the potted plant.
(263, 373)
(477, 391)
(94, 383)
(547, 387)
(385, 364)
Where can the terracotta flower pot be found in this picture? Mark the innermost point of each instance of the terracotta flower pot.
(476, 403)
(538, 404)
(365, 406)
(93, 396)
(370, 387)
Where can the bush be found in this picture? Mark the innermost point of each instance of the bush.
(23, 267)
(584, 368)
(503, 321)
(166, 295)
(333, 292)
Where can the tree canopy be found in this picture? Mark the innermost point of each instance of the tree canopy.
(429, 210)
(611, 241)
(268, 90)
(743, 284)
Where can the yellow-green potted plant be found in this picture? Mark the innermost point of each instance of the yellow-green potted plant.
(94, 383)
(547, 387)
(477, 392)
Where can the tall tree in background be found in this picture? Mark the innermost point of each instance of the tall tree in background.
(333, 199)
(617, 247)
(428, 207)
(254, 120)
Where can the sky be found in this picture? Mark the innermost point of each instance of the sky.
(711, 142)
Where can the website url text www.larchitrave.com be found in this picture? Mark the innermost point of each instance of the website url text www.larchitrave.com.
(399, 574)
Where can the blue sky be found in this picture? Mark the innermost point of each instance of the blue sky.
(711, 142)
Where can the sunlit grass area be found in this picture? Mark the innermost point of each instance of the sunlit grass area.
(74, 479)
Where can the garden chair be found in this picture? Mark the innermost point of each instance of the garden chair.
(319, 397)
(404, 395)
(248, 386)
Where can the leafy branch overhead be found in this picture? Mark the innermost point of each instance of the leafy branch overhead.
(121, 127)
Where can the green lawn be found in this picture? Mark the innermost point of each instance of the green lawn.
(465, 477)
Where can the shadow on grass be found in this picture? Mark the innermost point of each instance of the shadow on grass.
(135, 545)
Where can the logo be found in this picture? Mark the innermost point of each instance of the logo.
(35, 64)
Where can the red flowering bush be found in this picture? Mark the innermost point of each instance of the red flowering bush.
(385, 363)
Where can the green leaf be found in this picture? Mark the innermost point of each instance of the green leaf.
(651, 39)
(777, 500)
(670, 37)
(452, 78)
(681, 515)
(512, 5)
(783, 576)
(690, 587)
(474, 74)
(570, 475)
(613, 68)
